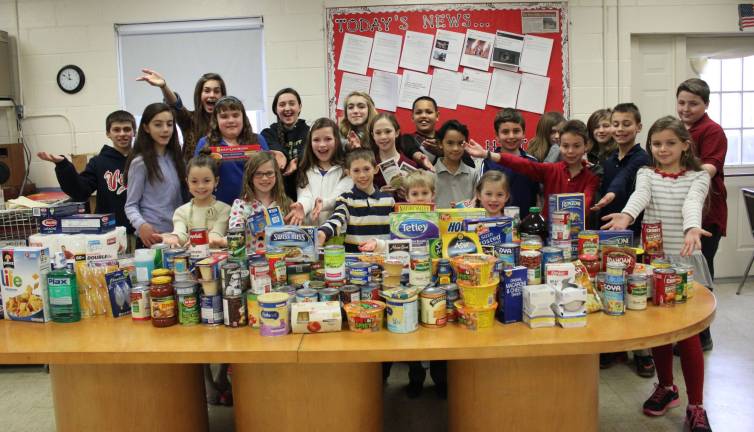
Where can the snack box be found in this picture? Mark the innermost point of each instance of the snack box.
(491, 230)
(298, 242)
(93, 246)
(616, 237)
(451, 221)
(24, 283)
(510, 295)
(559, 275)
(234, 153)
(570, 202)
(316, 317)
(460, 243)
(48, 218)
(413, 208)
(97, 223)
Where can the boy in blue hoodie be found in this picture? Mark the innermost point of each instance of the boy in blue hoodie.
(103, 173)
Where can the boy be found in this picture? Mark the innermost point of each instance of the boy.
(455, 179)
(692, 101)
(104, 172)
(509, 130)
(363, 214)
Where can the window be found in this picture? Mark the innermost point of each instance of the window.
(182, 51)
(731, 83)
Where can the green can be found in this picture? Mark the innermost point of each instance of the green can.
(681, 288)
(237, 242)
(335, 262)
(189, 312)
(158, 250)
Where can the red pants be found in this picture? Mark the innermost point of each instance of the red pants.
(692, 364)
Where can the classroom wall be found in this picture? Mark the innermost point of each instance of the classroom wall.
(54, 33)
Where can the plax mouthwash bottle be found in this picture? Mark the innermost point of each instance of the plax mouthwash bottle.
(63, 292)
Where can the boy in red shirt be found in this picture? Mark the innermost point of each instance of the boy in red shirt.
(710, 145)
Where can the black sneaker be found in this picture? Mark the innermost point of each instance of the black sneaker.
(706, 339)
(609, 359)
(696, 419)
(645, 366)
(661, 400)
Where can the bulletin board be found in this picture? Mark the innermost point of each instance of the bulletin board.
(517, 18)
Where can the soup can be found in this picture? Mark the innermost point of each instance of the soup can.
(589, 243)
(665, 286)
(433, 308)
(306, 295)
(509, 252)
(651, 235)
(211, 309)
(140, 306)
(199, 240)
(168, 257)
(370, 291)
(278, 270)
(335, 262)
(636, 292)
(180, 265)
(234, 311)
(350, 293)
(532, 260)
(551, 255)
(566, 246)
(259, 273)
(420, 269)
(329, 294)
(560, 225)
(681, 288)
(237, 242)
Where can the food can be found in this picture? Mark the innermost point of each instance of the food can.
(689, 280)
(614, 293)
(560, 225)
(531, 243)
(278, 270)
(551, 255)
(359, 273)
(420, 269)
(259, 273)
(140, 305)
(452, 294)
(275, 314)
(237, 242)
(335, 262)
(444, 272)
(164, 312)
(509, 252)
(371, 291)
(567, 247)
(433, 307)
(681, 288)
(599, 281)
(211, 309)
(298, 273)
(159, 249)
(319, 285)
(665, 286)
(234, 311)
(230, 279)
(185, 287)
(181, 264)
(189, 312)
(168, 257)
(592, 264)
(589, 243)
(661, 263)
(636, 292)
(532, 260)
(615, 272)
(514, 213)
(306, 295)
(252, 310)
(651, 235)
(402, 314)
(329, 294)
(349, 293)
(199, 240)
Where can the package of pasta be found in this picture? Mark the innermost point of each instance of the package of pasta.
(593, 303)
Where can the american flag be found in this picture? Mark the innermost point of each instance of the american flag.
(746, 17)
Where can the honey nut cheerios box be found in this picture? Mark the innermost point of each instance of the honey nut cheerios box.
(24, 283)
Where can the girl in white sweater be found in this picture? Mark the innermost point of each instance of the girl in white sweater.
(321, 177)
(673, 189)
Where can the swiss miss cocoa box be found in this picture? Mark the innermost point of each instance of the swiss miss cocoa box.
(24, 283)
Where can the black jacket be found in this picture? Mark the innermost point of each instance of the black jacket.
(292, 147)
(103, 174)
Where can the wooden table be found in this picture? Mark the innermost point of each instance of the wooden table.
(508, 377)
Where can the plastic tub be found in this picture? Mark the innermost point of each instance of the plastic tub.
(481, 296)
(475, 318)
(365, 316)
(475, 269)
(274, 313)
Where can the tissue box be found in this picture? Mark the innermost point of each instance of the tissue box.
(539, 321)
(537, 299)
(24, 283)
(92, 246)
(316, 317)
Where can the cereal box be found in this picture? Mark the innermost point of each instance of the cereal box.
(510, 295)
(24, 283)
(451, 221)
(298, 242)
(570, 202)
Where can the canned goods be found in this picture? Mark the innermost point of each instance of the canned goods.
(444, 272)
(589, 243)
(689, 280)
(168, 255)
(616, 272)
(298, 273)
(420, 269)
(452, 294)
(514, 213)
(199, 240)
(661, 263)
(252, 310)
(651, 235)
(259, 273)
(211, 309)
(509, 252)
(433, 307)
(180, 263)
(599, 281)
(306, 295)
(158, 249)
(370, 291)
(329, 294)
(665, 286)
(681, 287)
(140, 305)
(614, 293)
(650, 257)
(234, 311)
(551, 255)
(319, 285)
(592, 264)
(189, 312)
(237, 242)
(359, 273)
(532, 260)
(531, 243)
(335, 262)
(349, 293)
(566, 246)
(560, 225)
(163, 311)
(230, 279)
(636, 292)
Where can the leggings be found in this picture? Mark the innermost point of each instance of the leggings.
(692, 364)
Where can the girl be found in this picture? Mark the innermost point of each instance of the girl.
(262, 189)
(287, 135)
(193, 124)
(455, 179)
(492, 192)
(154, 175)
(600, 144)
(230, 126)
(383, 133)
(203, 211)
(359, 112)
(569, 175)
(321, 178)
(545, 146)
(673, 188)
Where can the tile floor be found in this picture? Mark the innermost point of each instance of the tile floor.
(26, 404)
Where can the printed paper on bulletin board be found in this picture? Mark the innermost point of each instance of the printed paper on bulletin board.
(427, 19)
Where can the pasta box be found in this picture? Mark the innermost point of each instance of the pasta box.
(48, 218)
(572, 203)
(98, 223)
(24, 283)
(510, 295)
(298, 242)
(616, 237)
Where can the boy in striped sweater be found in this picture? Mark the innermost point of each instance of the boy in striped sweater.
(363, 213)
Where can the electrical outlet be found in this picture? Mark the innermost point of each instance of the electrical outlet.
(20, 111)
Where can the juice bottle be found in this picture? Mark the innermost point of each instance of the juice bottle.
(534, 225)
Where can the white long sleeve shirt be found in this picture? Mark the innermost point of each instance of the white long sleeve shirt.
(328, 186)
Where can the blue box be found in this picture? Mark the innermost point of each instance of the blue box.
(510, 296)
(494, 230)
(572, 203)
(48, 218)
(98, 223)
(616, 238)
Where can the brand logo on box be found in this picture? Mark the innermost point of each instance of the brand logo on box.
(289, 236)
(571, 203)
(49, 223)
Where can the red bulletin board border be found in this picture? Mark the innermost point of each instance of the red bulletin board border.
(486, 17)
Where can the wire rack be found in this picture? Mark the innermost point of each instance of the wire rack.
(16, 226)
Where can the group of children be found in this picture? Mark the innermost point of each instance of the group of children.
(328, 174)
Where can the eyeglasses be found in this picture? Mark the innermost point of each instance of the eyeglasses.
(267, 174)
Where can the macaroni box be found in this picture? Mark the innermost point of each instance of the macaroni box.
(98, 223)
(298, 242)
(510, 295)
(572, 203)
(24, 283)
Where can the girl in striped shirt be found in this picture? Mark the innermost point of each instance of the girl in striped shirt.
(673, 189)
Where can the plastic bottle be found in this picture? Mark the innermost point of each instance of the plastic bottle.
(63, 292)
(534, 225)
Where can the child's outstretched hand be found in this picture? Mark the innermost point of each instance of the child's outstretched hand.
(217, 242)
(49, 157)
(474, 149)
(148, 235)
(617, 221)
(295, 215)
(153, 78)
(280, 158)
(607, 199)
(321, 238)
(431, 145)
(368, 246)
(314, 215)
(171, 240)
(692, 240)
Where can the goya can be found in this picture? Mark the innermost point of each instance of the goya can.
(306, 295)
(532, 260)
(420, 269)
(681, 288)
(234, 311)
(433, 309)
(615, 297)
(589, 243)
(189, 312)
(509, 252)
(140, 306)
(665, 286)
(452, 294)
(636, 292)
(349, 293)
(278, 269)
(335, 262)
(560, 225)
(237, 242)
(370, 291)
(329, 294)
(211, 309)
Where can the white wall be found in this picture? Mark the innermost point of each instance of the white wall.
(54, 33)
